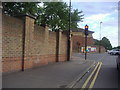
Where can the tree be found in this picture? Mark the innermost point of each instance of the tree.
(76, 17)
(97, 42)
(14, 8)
(104, 42)
(54, 14)
(118, 47)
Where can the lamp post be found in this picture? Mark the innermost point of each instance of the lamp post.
(86, 33)
(69, 35)
(100, 39)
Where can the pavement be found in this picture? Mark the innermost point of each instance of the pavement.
(54, 75)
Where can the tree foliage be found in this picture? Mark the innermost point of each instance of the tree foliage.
(118, 47)
(54, 14)
(104, 42)
(14, 8)
(97, 42)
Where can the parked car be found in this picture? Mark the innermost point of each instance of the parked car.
(118, 62)
(114, 52)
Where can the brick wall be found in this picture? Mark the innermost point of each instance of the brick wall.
(102, 49)
(39, 46)
(11, 43)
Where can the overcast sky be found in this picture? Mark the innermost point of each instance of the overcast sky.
(96, 12)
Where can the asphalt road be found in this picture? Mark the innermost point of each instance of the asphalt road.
(108, 76)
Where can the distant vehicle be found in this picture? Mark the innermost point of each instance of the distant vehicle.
(114, 52)
(118, 62)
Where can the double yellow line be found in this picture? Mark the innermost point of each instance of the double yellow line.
(96, 69)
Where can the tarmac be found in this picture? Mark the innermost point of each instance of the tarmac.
(53, 75)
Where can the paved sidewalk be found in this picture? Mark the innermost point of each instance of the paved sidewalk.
(55, 75)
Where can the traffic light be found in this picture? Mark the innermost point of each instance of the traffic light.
(86, 29)
(86, 33)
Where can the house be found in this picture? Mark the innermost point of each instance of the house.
(78, 40)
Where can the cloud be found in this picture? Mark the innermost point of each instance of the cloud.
(97, 17)
(111, 33)
(97, 12)
(90, 8)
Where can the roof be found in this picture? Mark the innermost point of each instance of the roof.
(81, 30)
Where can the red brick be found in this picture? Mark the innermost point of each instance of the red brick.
(40, 44)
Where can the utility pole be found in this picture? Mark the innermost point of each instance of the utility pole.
(69, 35)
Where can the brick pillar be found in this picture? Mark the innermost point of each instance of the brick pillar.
(29, 31)
(46, 40)
(58, 41)
(27, 41)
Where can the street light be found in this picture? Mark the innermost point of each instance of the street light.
(100, 39)
(69, 31)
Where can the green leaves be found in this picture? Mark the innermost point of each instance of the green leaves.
(57, 14)
(76, 17)
(104, 42)
(54, 14)
(14, 8)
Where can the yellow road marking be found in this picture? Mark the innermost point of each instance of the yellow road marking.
(95, 77)
(86, 82)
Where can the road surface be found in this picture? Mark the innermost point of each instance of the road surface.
(106, 77)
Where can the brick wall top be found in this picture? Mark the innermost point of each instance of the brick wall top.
(80, 34)
(20, 15)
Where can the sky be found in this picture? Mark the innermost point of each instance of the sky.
(96, 12)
